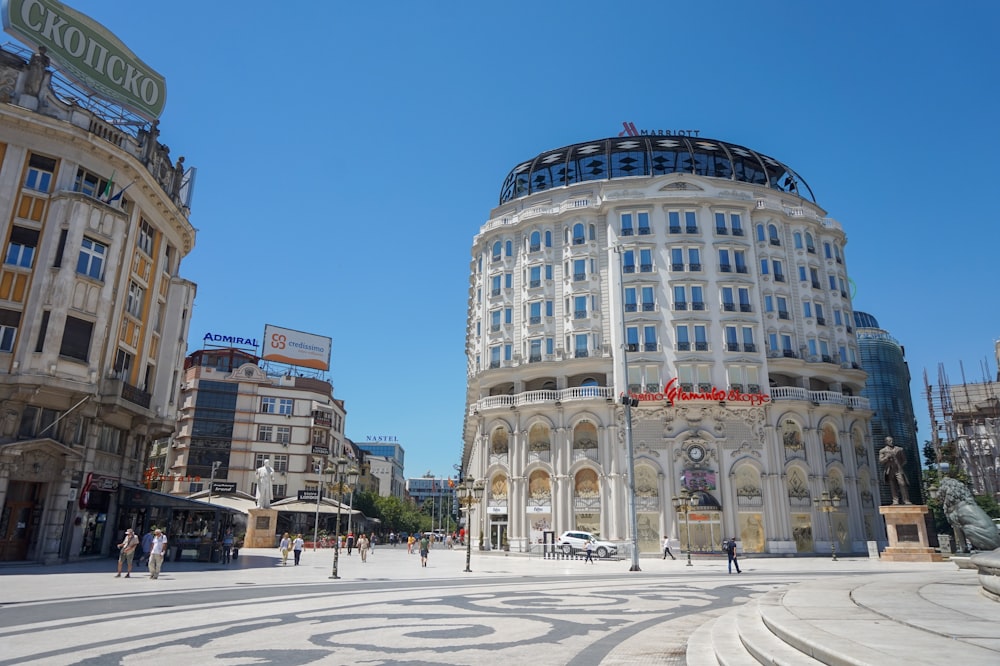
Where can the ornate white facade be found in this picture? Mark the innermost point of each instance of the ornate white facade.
(695, 267)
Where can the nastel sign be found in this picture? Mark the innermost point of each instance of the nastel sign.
(674, 392)
(88, 53)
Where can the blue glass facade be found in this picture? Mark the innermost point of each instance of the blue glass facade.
(888, 390)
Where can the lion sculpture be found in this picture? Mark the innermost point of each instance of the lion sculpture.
(968, 519)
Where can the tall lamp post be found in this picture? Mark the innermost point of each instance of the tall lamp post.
(320, 473)
(469, 493)
(828, 504)
(684, 503)
(629, 402)
(342, 474)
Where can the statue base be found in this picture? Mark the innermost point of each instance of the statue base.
(907, 533)
(262, 527)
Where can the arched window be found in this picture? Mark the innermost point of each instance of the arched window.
(791, 437)
(797, 238)
(509, 247)
(539, 485)
(499, 442)
(593, 232)
(810, 245)
(772, 234)
(761, 237)
(496, 251)
(585, 435)
(579, 234)
(830, 444)
(535, 242)
(585, 484)
(498, 487)
(539, 438)
(548, 239)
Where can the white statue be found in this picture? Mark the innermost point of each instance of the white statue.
(264, 489)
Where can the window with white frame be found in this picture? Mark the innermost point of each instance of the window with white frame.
(265, 433)
(285, 406)
(268, 405)
(283, 434)
(627, 224)
(744, 378)
(10, 320)
(90, 261)
(22, 246)
(134, 300)
(146, 237)
(41, 171)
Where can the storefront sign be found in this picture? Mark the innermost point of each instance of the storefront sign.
(673, 392)
(153, 475)
(321, 450)
(88, 53)
(380, 438)
(308, 495)
(223, 487)
(502, 510)
(538, 509)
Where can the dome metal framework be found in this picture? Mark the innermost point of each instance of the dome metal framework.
(646, 156)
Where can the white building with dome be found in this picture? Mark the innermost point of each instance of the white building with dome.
(703, 279)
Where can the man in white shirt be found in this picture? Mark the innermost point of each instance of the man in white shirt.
(156, 555)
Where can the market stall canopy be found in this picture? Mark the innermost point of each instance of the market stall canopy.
(295, 505)
(238, 501)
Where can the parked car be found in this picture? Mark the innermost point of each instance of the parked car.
(574, 541)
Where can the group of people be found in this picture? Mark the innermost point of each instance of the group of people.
(728, 546)
(294, 546)
(154, 548)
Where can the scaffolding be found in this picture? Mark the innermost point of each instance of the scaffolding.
(966, 418)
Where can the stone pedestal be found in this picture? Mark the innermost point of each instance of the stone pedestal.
(261, 528)
(907, 532)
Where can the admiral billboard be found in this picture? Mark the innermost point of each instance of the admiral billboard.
(88, 53)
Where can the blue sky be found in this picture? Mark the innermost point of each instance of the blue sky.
(347, 154)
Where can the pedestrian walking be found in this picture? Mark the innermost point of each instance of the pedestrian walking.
(392, 539)
(284, 547)
(147, 545)
(157, 550)
(730, 548)
(363, 544)
(297, 546)
(409, 544)
(425, 546)
(227, 546)
(666, 549)
(590, 552)
(350, 542)
(126, 551)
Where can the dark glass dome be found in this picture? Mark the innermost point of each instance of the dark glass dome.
(652, 155)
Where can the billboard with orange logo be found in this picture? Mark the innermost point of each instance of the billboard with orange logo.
(284, 345)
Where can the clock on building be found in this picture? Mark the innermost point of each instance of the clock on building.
(696, 453)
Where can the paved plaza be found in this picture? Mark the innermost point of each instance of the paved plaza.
(510, 609)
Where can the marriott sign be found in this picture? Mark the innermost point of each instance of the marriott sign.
(88, 53)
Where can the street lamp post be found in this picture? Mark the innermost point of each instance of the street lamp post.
(684, 503)
(828, 504)
(469, 492)
(320, 473)
(351, 478)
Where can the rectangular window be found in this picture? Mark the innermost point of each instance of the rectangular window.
(579, 307)
(782, 307)
(649, 339)
(146, 237)
(285, 406)
(764, 267)
(76, 339)
(676, 259)
(21, 250)
(643, 224)
(535, 312)
(265, 433)
(674, 222)
(89, 183)
(581, 349)
(495, 356)
(123, 364)
(690, 222)
(9, 322)
(720, 224)
(283, 434)
(535, 351)
(807, 309)
(648, 300)
(508, 351)
(769, 304)
(632, 339)
(508, 280)
(694, 259)
(680, 298)
(627, 229)
(646, 261)
(134, 299)
(268, 405)
(579, 270)
(697, 297)
(535, 276)
(40, 172)
(631, 305)
(724, 264)
(42, 330)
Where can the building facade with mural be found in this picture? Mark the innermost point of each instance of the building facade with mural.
(94, 310)
(702, 280)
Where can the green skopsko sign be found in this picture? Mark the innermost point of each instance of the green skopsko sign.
(88, 53)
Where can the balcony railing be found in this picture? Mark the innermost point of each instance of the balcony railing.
(818, 397)
(577, 393)
(648, 307)
(675, 230)
(698, 305)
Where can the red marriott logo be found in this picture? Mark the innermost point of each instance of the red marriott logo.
(674, 392)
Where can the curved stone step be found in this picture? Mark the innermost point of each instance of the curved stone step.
(729, 649)
(699, 646)
(766, 647)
